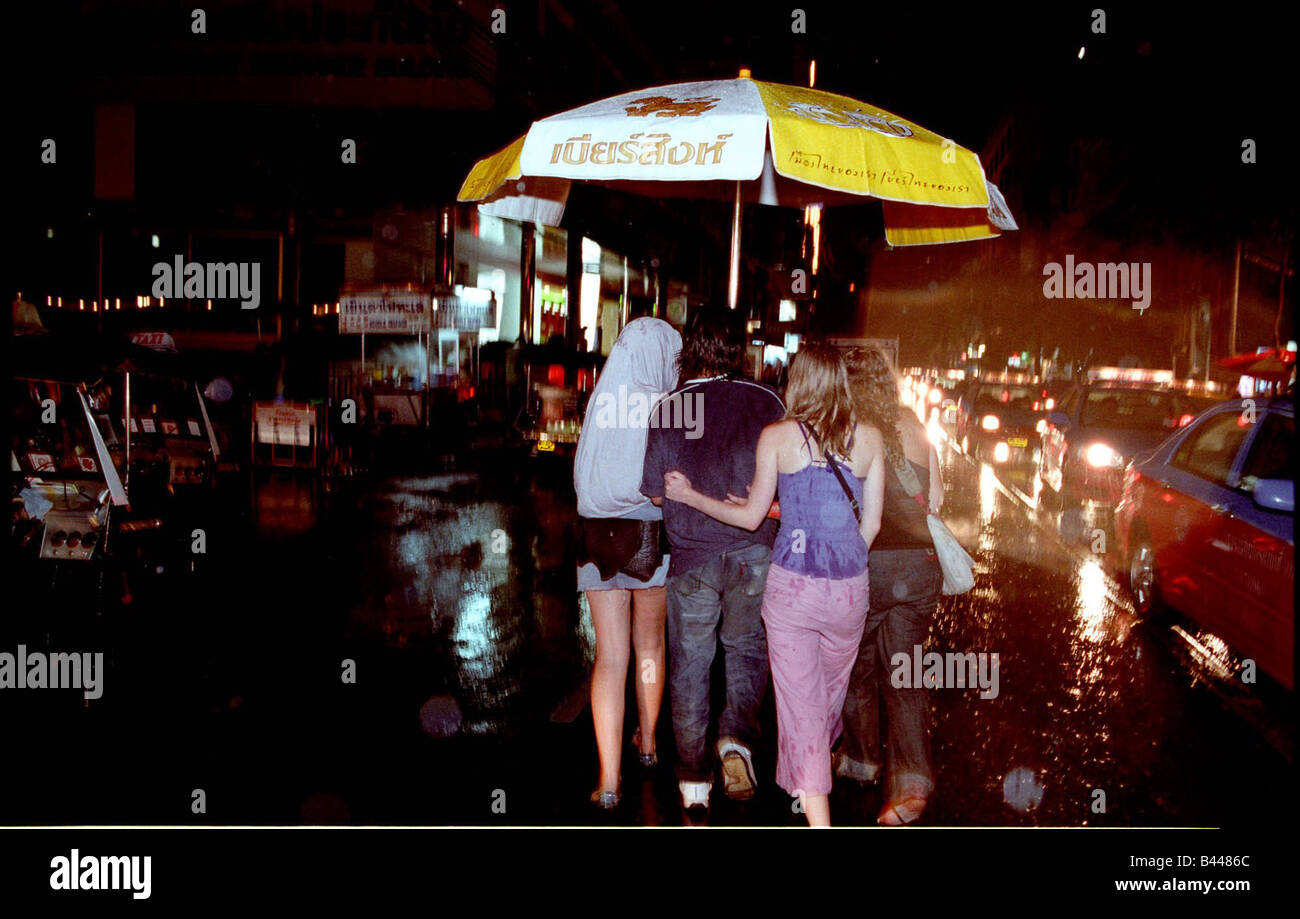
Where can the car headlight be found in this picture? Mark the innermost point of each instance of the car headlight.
(1100, 455)
(1041, 427)
(990, 423)
(935, 396)
(1001, 452)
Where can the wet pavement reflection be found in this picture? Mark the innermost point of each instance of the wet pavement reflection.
(411, 649)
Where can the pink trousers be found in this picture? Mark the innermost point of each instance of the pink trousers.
(814, 629)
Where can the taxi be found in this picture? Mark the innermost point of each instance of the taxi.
(1097, 427)
(1205, 526)
(998, 419)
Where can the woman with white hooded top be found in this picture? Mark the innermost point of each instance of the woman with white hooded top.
(622, 568)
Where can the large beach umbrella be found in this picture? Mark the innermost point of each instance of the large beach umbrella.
(746, 140)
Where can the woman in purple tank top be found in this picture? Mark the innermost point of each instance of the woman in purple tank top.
(815, 600)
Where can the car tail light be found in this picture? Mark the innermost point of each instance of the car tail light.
(990, 423)
(1050, 404)
(1185, 420)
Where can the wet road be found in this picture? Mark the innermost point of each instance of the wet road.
(410, 649)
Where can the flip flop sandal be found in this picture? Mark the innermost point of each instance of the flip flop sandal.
(900, 814)
(606, 800)
(647, 760)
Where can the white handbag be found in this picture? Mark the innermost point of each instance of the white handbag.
(958, 566)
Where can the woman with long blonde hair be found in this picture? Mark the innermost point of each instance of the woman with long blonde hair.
(830, 472)
(906, 582)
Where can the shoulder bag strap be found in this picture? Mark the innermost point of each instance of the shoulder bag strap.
(839, 476)
(911, 484)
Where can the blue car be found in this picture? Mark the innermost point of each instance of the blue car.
(1206, 526)
(1097, 428)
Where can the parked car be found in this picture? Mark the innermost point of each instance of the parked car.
(1098, 427)
(1205, 526)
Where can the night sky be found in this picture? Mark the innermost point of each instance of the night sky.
(1160, 105)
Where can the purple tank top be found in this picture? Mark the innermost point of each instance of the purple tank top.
(819, 535)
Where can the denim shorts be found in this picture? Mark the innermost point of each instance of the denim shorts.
(589, 578)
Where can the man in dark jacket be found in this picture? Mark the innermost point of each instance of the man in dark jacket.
(708, 429)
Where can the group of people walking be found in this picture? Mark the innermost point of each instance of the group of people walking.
(793, 534)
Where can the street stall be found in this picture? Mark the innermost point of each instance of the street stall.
(65, 481)
(417, 364)
(394, 363)
(111, 458)
(168, 434)
(557, 384)
(415, 348)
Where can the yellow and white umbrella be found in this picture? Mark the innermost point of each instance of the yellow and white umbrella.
(746, 139)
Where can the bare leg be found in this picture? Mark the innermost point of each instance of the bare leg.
(817, 808)
(611, 620)
(649, 608)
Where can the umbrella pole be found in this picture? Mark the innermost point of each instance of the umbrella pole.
(733, 281)
(126, 405)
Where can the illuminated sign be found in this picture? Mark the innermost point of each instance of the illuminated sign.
(1129, 375)
(403, 312)
(158, 341)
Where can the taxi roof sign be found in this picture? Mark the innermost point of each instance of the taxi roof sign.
(1129, 375)
(157, 341)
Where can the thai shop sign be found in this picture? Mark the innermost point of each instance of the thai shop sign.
(284, 422)
(470, 310)
(400, 312)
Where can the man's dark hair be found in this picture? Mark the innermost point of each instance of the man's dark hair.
(713, 343)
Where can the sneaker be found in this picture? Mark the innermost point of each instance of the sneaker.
(738, 777)
(695, 794)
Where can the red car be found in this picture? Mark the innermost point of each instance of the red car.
(1206, 526)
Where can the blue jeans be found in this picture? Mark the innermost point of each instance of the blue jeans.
(723, 598)
(906, 585)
